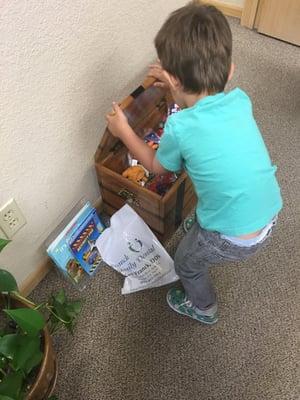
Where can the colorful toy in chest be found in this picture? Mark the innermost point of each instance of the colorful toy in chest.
(159, 184)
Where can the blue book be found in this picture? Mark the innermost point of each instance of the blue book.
(60, 252)
(82, 243)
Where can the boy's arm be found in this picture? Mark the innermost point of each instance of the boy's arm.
(119, 127)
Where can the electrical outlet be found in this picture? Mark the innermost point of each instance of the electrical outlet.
(11, 218)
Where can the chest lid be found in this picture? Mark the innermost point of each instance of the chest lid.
(136, 107)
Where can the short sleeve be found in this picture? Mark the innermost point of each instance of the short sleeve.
(168, 153)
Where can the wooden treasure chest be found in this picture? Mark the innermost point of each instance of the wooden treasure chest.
(145, 108)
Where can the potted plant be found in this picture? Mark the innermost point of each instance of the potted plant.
(28, 367)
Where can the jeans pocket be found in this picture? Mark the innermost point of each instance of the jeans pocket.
(232, 252)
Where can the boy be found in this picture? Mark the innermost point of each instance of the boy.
(216, 139)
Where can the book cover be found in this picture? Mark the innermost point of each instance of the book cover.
(82, 243)
(60, 252)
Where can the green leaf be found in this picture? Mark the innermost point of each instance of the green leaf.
(3, 362)
(60, 311)
(51, 398)
(73, 309)
(63, 312)
(7, 282)
(5, 397)
(3, 243)
(77, 306)
(11, 384)
(23, 351)
(34, 360)
(60, 297)
(28, 354)
(30, 321)
(8, 345)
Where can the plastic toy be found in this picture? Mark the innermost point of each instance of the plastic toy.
(160, 184)
(153, 145)
(152, 137)
(174, 108)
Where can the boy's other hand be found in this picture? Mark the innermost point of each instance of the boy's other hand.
(117, 121)
(157, 72)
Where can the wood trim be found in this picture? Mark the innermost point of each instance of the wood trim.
(258, 14)
(231, 10)
(280, 20)
(35, 277)
(249, 13)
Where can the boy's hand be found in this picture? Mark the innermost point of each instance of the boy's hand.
(117, 122)
(157, 71)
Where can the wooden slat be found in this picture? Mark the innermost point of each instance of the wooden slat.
(116, 201)
(124, 182)
(112, 200)
(188, 198)
(170, 227)
(170, 199)
(148, 200)
(116, 183)
(147, 83)
(139, 111)
(281, 19)
(249, 13)
(189, 205)
(258, 14)
(232, 10)
(139, 121)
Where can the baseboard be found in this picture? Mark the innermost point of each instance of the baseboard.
(231, 10)
(33, 279)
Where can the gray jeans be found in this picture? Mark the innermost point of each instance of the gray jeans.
(197, 251)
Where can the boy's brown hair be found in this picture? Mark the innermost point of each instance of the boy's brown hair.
(195, 45)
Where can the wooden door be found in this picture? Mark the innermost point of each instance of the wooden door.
(280, 19)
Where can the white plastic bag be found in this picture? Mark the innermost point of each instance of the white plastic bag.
(130, 247)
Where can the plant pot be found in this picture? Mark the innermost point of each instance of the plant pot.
(45, 381)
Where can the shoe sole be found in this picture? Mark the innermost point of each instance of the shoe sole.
(189, 316)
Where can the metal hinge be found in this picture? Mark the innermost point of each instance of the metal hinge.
(129, 197)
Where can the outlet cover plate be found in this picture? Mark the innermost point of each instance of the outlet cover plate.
(11, 218)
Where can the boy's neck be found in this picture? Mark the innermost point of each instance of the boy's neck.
(189, 99)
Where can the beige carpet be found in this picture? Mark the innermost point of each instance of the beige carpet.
(135, 348)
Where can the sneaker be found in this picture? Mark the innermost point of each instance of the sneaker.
(188, 223)
(178, 301)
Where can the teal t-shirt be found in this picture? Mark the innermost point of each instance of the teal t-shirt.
(218, 143)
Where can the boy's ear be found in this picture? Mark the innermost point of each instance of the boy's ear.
(173, 82)
(231, 72)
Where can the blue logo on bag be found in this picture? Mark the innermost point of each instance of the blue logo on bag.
(135, 245)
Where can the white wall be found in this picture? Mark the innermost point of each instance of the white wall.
(62, 63)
